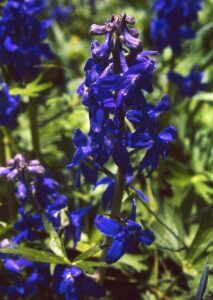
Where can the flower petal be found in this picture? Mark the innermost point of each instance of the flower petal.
(107, 226)
(147, 237)
(116, 251)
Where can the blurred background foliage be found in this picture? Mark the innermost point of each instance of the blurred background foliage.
(180, 190)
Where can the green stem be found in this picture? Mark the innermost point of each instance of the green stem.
(33, 117)
(2, 149)
(11, 200)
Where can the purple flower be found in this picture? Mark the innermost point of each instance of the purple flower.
(126, 236)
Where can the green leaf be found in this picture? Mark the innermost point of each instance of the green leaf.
(55, 243)
(203, 97)
(35, 255)
(203, 237)
(203, 282)
(90, 266)
(87, 254)
(32, 89)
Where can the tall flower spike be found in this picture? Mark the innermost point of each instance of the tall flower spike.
(117, 76)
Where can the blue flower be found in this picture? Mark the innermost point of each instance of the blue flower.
(126, 236)
(9, 108)
(83, 151)
(172, 22)
(73, 283)
(189, 85)
(148, 116)
(22, 37)
(76, 223)
(160, 147)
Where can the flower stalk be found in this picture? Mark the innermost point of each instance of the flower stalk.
(120, 177)
(33, 118)
(2, 149)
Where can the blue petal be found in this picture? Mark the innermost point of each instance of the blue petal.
(163, 105)
(139, 140)
(168, 134)
(134, 116)
(107, 226)
(9, 45)
(96, 119)
(104, 180)
(140, 194)
(21, 191)
(75, 271)
(116, 251)
(80, 139)
(147, 237)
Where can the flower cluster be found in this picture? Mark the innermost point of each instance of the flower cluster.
(190, 84)
(9, 108)
(22, 37)
(172, 22)
(117, 76)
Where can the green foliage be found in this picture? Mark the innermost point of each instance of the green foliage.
(34, 255)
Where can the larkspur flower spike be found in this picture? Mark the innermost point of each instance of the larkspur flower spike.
(118, 74)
